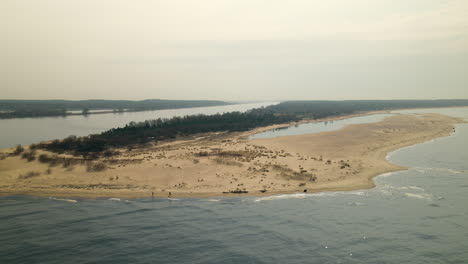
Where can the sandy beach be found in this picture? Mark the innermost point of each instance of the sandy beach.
(227, 164)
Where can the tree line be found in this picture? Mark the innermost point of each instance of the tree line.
(37, 108)
(137, 133)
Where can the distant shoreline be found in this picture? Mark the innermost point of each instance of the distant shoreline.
(10, 109)
(340, 160)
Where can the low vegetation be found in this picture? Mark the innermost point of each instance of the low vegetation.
(28, 175)
(18, 150)
(29, 155)
(96, 167)
(229, 162)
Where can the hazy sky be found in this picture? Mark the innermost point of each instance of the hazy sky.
(233, 49)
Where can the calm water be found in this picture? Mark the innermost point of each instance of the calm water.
(32, 130)
(415, 216)
(319, 126)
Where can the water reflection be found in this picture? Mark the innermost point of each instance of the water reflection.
(323, 126)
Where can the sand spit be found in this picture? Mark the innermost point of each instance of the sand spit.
(227, 164)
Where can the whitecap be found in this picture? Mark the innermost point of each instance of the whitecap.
(416, 188)
(356, 193)
(387, 189)
(386, 192)
(282, 196)
(64, 200)
(114, 199)
(355, 203)
(210, 200)
(423, 196)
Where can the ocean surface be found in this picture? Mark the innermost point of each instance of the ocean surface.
(414, 216)
(33, 130)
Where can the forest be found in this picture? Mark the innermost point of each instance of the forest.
(321, 109)
(38, 108)
(137, 134)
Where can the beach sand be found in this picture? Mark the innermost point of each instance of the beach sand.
(214, 165)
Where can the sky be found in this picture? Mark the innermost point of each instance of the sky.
(233, 49)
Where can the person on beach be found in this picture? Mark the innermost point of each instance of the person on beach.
(170, 194)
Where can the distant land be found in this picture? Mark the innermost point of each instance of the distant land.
(42, 108)
(138, 134)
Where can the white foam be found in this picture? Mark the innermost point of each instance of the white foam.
(423, 196)
(385, 192)
(211, 200)
(114, 199)
(386, 174)
(416, 188)
(447, 170)
(305, 195)
(390, 154)
(282, 196)
(454, 171)
(64, 200)
(355, 203)
(360, 193)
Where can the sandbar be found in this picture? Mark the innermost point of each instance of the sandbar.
(228, 164)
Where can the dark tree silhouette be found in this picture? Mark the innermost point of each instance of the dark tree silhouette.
(165, 129)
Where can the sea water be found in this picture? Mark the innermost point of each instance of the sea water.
(415, 216)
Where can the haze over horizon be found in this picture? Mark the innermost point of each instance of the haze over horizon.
(234, 49)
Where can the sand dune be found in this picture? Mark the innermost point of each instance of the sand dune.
(219, 164)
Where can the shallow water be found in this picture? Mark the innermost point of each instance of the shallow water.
(33, 130)
(414, 216)
(319, 126)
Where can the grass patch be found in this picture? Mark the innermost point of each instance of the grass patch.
(228, 162)
(294, 175)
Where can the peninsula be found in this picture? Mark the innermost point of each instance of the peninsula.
(223, 163)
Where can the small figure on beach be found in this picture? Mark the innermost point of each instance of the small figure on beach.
(152, 194)
(170, 194)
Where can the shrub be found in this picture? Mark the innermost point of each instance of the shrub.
(28, 175)
(44, 158)
(19, 149)
(67, 163)
(227, 162)
(96, 167)
(29, 156)
(110, 153)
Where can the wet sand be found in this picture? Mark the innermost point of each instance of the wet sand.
(218, 164)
